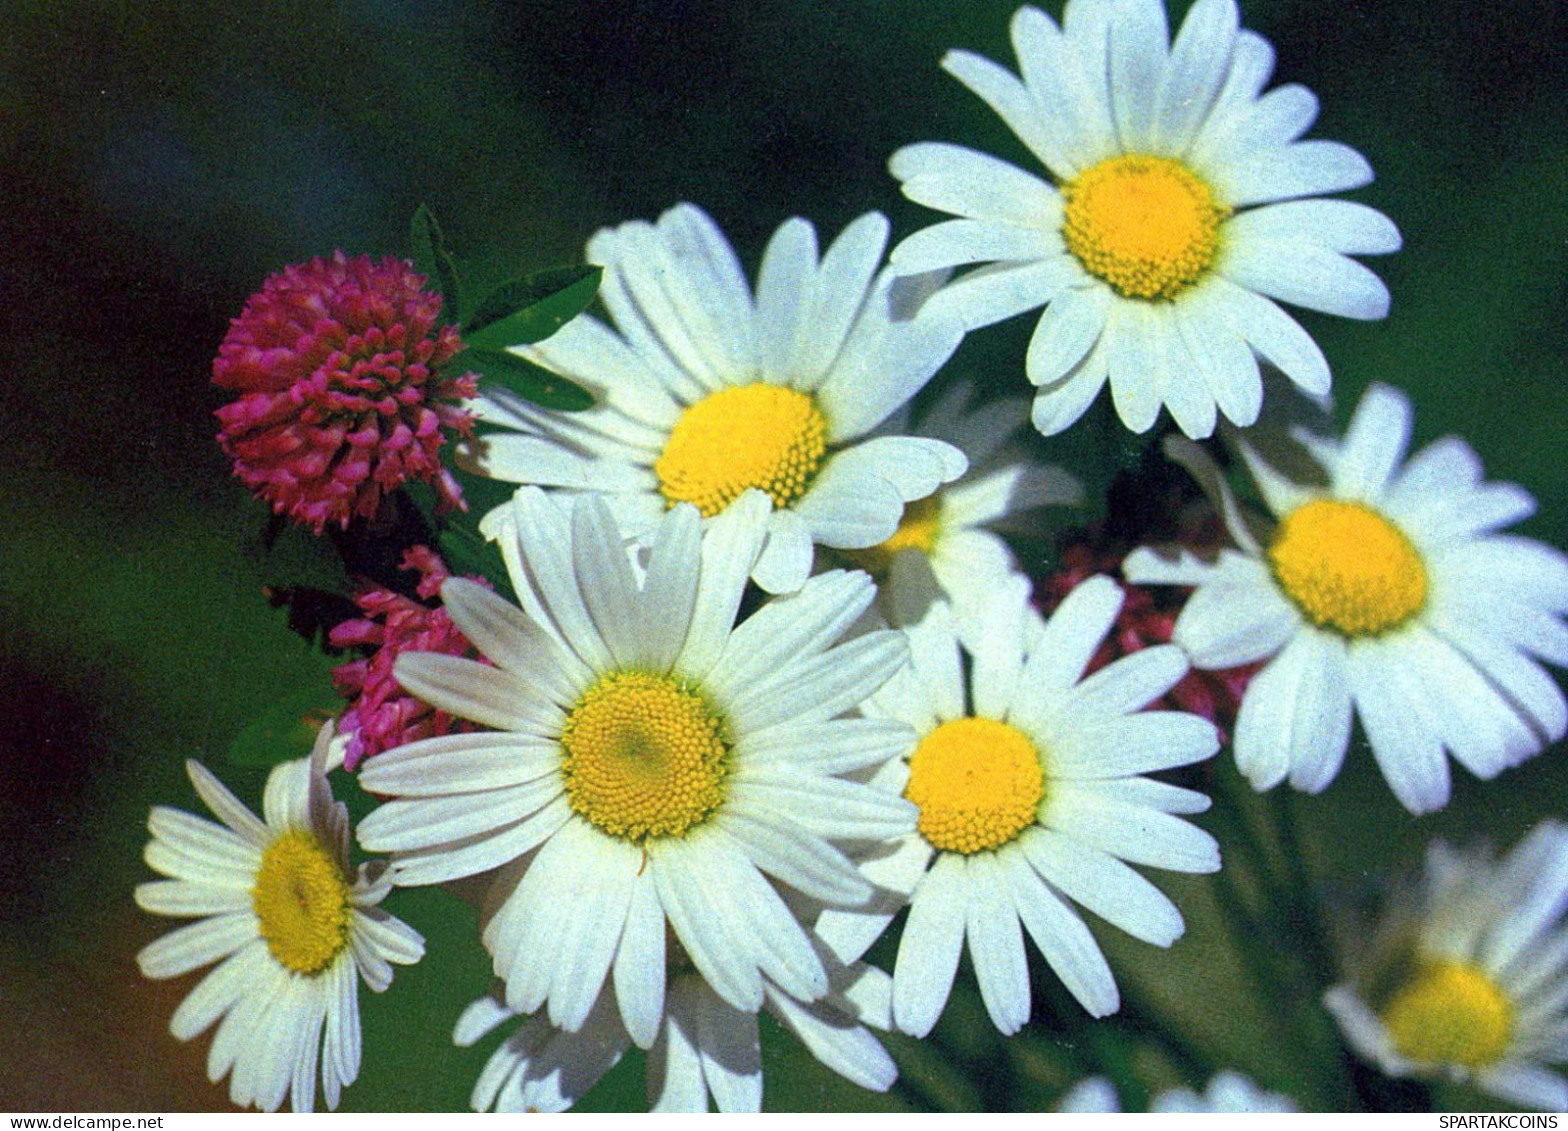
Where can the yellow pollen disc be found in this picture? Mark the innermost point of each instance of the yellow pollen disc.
(1347, 568)
(645, 757)
(302, 901)
(978, 784)
(763, 436)
(917, 530)
(1450, 1013)
(1148, 226)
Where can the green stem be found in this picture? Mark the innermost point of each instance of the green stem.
(1254, 942)
(1287, 927)
(1305, 915)
(1236, 809)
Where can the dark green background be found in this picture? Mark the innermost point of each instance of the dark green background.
(157, 161)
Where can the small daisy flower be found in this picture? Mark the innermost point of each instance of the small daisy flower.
(1385, 592)
(653, 764)
(1465, 982)
(1228, 1091)
(954, 529)
(381, 714)
(1030, 801)
(342, 399)
(1181, 205)
(705, 1048)
(295, 927)
(706, 391)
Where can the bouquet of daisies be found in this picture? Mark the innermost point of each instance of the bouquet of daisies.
(691, 640)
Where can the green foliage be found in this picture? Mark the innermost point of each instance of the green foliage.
(467, 552)
(456, 535)
(519, 312)
(527, 380)
(527, 310)
(432, 258)
(288, 729)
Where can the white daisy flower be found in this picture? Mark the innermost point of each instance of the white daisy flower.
(705, 391)
(1386, 592)
(1181, 204)
(653, 764)
(951, 534)
(1028, 800)
(705, 1048)
(294, 925)
(1228, 1091)
(1466, 982)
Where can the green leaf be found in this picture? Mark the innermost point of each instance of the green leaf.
(456, 535)
(529, 381)
(530, 309)
(286, 731)
(435, 262)
(468, 552)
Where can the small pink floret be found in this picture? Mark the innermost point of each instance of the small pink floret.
(381, 714)
(1144, 621)
(335, 362)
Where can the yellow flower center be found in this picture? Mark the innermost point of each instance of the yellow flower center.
(1347, 568)
(978, 784)
(302, 901)
(1148, 226)
(1450, 1013)
(763, 436)
(645, 756)
(918, 528)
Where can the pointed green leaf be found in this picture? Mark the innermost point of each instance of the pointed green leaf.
(468, 553)
(286, 731)
(529, 381)
(530, 309)
(434, 261)
(455, 534)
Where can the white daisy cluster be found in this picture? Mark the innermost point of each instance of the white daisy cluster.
(1227, 1091)
(687, 820)
(774, 685)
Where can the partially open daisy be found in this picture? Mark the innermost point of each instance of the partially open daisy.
(294, 925)
(1029, 799)
(706, 391)
(1181, 205)
(1466, 981)
(1386, 592)
(952, 532)
(705, 1047)
(1227, 1091)
(653, 764)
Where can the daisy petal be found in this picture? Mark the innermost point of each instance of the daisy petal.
(1104, 885)
(928, 952)
(996, 943)
(639, 966)
(731, 1054)
(1065, 942)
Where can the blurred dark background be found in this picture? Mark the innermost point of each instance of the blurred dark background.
(159, 160)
